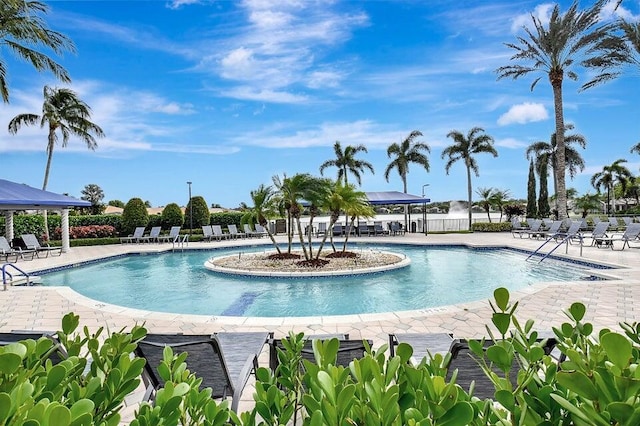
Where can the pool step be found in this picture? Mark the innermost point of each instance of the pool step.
(23, 280)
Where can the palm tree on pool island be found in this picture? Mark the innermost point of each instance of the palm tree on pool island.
(575, 38)
(404, 153)
(464, 148)
(65, 112)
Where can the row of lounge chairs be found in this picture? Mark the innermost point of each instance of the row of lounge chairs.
(604, 234)
(215, 232)
(154, 235)
(225, 361)
(29, 248)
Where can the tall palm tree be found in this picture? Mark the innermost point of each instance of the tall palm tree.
(404, 153)
(464, 148)
(346, 162)
(542, 152)
(636, 148)
(22, 31)
(65, 112)
(263, 208)
(570, 39)
(609, 176)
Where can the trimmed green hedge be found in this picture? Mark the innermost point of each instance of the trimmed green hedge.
(226, 218)
(491, 227)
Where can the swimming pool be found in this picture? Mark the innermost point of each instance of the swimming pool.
(177, 282)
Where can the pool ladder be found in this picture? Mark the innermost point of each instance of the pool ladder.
(21, 278)
(181, 241)
(566, 240)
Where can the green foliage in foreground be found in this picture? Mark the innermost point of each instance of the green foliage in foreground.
(593, 379)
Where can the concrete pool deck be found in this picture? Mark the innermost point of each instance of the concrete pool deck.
(608, 302)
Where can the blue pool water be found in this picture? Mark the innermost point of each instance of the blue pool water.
(179, 283)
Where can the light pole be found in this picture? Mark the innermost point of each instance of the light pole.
(190, 210)
(424, 211)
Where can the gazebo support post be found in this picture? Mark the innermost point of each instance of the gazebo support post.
(64, 224)
(8, 224)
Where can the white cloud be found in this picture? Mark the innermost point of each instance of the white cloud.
(611, 12)
(524, 113)
(131, 121)
(373, 135)
(510, 143)
(177, 4)
(264, 95)
(541, 12)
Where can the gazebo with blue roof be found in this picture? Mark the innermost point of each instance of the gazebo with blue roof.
(16, 196)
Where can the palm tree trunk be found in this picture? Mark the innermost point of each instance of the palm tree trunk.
(301, 237)
(469, 193)
(332, 222)
(50, 145)
(406, 206)
(309, 235)
(561, 194)
(265, 225)
(289, 231)
(346, 237)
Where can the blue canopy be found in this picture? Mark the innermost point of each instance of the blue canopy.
(18, 196)
(394, 197)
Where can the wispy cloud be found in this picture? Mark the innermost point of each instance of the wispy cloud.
(510, 143)
(541, 12)
(524, 113)
(177, 4)
(282, 45)
(132, 120)
(283, 135)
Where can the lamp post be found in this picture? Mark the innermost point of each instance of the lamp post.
(424, 211)
(190, 210)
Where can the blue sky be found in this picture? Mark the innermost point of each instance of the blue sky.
(228, 94)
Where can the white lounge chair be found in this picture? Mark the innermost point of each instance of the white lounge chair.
(207, 232)
(153, 235)
(248, 231)
(260, 231)
(218, 234)
(135, 237)
(173, 234)
(233, 231)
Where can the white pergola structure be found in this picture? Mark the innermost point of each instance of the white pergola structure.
(16, 196)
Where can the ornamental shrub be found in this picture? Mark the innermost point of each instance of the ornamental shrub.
(91, 231)
(200, 210)
(172, 216)
(134, 215)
